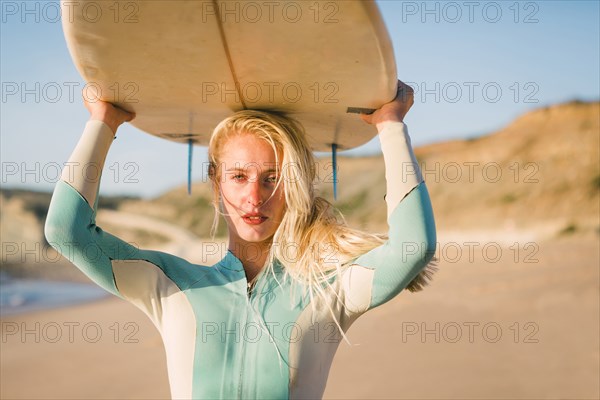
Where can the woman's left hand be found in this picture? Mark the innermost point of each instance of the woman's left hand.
(394, 111)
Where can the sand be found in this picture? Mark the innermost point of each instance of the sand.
(521, 327)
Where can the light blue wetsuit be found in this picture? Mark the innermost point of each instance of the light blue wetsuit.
(223, 341)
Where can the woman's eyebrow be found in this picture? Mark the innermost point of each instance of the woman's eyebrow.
(236, 169)
(250, 167)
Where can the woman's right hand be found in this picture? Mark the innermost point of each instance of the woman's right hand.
(395, 110)
(106, 112)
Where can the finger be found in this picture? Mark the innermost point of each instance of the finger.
(405, 94)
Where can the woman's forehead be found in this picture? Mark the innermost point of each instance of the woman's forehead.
(250, 150)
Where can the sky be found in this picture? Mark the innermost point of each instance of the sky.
(475, 66)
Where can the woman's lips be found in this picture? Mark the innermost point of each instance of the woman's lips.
(254, 219)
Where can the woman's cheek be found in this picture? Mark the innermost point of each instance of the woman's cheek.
(229, 193)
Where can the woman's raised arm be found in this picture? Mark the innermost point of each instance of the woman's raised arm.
(402, 171)
(392, 267)
(70, 224)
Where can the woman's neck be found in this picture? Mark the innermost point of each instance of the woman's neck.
(252, 255)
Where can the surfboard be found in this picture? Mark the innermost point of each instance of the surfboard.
(184, 65)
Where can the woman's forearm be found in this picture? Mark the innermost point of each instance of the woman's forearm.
(84, 168)
(402, 172)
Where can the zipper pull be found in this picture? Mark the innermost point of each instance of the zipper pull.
(250, 287)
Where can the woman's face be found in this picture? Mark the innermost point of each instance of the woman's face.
(253, 208)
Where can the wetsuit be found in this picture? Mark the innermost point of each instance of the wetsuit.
(222, 340)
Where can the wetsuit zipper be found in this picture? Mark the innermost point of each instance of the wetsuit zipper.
(249, 288)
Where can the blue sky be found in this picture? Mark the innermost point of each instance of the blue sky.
(475, 65)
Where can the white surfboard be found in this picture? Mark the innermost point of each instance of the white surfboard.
(184, 65)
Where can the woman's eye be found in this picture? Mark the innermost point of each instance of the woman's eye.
(272, 179)
(238, 177)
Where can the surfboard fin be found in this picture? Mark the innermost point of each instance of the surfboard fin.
(189, 174)
(334, 166)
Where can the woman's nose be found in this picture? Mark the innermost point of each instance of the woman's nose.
(254, 195)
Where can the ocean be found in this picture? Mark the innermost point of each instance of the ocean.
(25, 295)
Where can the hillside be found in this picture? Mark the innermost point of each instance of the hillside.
(549, 162)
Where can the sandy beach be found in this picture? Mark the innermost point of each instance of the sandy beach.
(521, 324)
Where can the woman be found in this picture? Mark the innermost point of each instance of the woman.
(266, 320)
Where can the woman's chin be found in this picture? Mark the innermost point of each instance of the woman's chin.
(254, 236)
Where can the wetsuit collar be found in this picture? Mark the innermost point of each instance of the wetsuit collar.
(231, 262)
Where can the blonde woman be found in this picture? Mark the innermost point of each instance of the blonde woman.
(264, 322)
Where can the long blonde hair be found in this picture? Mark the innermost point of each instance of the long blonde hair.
(323, 243)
